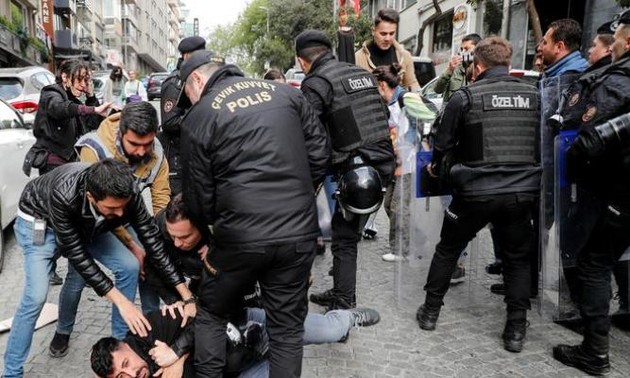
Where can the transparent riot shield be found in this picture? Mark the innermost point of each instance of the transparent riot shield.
(416, 212)
(564, 220)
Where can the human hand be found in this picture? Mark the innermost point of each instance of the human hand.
(140, 254)
(190, 311)
(455, 61)
(173, 308)
(103, 109)
(162, 354)
(132, 315)
(176, 370)
(203, 252)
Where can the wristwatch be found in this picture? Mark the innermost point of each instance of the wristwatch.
(190, 300)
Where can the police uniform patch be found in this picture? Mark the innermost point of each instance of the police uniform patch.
(574, 99)
(589, 114)
(168, 105)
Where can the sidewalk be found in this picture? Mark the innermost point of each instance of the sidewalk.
(466, 343)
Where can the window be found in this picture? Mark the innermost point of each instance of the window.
(39, 80)
(10, 87)
(443, 36)
(9, 119)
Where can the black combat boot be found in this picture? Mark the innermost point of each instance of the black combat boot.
(515, 330)
(575, 356)
(427, 317)
(323, 299)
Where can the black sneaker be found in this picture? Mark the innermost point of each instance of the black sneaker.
(427, 317)
(59, 345)
(459, 275)
(514, 335)
(364, 317)
(576, 357)
(494, 268)
(323, 299)
(55, 280)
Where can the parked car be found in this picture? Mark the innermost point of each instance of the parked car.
(21, 87)
(16, 138)
(294, 77)
(428, 90)
(154, 87)
(424, 69)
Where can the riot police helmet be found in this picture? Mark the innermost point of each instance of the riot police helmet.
(360, 191)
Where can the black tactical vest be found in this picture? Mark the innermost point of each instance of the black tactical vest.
(502, 123)
(357, 115)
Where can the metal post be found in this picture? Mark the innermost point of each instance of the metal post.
(505, 21)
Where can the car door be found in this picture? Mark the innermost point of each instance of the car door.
(15, 141)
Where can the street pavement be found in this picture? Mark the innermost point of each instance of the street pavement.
(466, 343)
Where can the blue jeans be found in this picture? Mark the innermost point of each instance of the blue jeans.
(111, 252)
(318, 329)
(38, 262)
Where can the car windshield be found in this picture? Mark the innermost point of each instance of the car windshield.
(10, 87)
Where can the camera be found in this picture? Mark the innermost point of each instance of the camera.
(615, 132)
(467, 57)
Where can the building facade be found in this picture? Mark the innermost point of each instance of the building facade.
(22, 39)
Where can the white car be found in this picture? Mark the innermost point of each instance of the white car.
(15, 140)
(21, 87)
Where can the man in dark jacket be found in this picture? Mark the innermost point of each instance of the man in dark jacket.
(495, 179)
(69, 209)
(598, 164)
(172, 113)
(347, 101)
(254, 152)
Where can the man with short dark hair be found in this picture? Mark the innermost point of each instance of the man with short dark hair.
(454, 77)
(172, 113)
(494, 177)
(383, 50)
(129, 137)
(255, 152)
(72, 208)
(560, 48)
(346, 99)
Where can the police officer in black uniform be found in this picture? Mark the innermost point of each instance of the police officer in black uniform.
(254, 152)
(599, 161)
(346, 99)
(489, 131)
(172, 112)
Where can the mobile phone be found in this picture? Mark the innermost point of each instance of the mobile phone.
(39, 232)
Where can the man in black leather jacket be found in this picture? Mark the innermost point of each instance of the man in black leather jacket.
(255, 151)
(68, 209)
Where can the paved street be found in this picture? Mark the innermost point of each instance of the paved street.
(466, 343)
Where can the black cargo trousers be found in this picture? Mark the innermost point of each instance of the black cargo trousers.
(511, 215)
(282, 271)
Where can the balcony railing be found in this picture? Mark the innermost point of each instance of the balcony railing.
(11, 42)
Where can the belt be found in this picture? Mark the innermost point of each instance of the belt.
(26, 217)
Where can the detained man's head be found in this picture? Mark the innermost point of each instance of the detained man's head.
(109, 186)
(112, 358)
(183, 232)
(138, 127)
